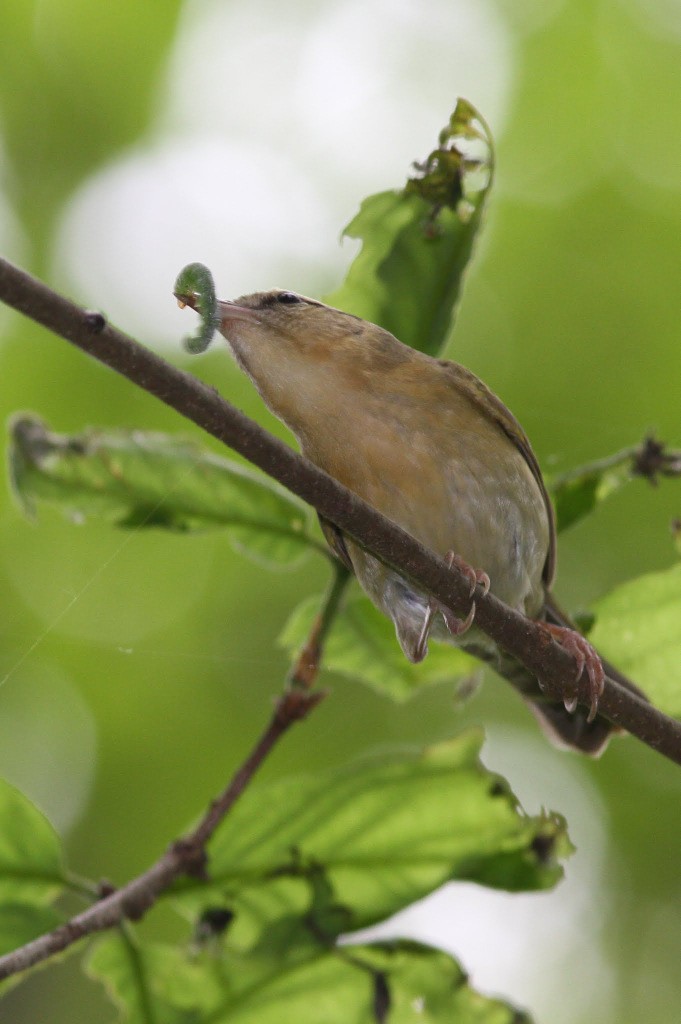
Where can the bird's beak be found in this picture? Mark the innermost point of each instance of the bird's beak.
(230, 312)
(227, 311)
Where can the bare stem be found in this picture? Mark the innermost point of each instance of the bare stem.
(649, 459)
(305, 669)
(595, 468)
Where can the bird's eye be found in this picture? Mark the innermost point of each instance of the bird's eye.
(288, 297)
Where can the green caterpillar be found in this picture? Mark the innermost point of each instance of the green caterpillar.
(195, 287)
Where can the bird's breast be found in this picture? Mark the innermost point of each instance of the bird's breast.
(454, 483)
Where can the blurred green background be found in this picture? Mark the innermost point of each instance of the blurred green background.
(137, 668)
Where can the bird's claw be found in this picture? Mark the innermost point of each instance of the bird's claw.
(454, 624)
(474, 576)
(587, 658)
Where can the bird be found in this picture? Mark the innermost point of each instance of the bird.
(429, 445)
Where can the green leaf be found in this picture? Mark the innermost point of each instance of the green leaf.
(417, 242)
(301, 861)
(22, 922)
(427, 986)
(32, 873)
(400, 982)
(31, 865)
(152, 982)
(576, 494)
(637, 628)
(142, 480)
(382, 832)
(361, 645)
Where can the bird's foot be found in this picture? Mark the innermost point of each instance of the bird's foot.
(474, 576)
(587, 658)
(454, 624)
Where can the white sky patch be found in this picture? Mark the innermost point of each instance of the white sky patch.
(360, 89)
(242, 209)
(271, 130)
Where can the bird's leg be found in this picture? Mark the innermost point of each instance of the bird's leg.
(587, 658)
(454, 624)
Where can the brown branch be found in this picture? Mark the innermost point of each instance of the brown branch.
(185, 856)
(512, 632)
(305, 668)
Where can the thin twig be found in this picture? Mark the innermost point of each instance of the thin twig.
(595, 468)
(512, 632)
(305, 669)
(185, 856)
(650, 459)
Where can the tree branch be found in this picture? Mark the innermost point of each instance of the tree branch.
(305, 669)
(512, 632)
(185, 856)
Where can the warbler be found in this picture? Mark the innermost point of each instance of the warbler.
(429, 445)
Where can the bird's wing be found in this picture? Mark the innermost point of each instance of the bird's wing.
(494, 409)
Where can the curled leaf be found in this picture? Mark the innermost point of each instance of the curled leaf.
(417, 241)
(459, 170)
(194, 287)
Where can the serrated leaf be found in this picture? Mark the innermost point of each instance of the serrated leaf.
(637, 628)
(142, 479)
(361, 645)
(383, 831)
(417, 242)
(31, 865)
